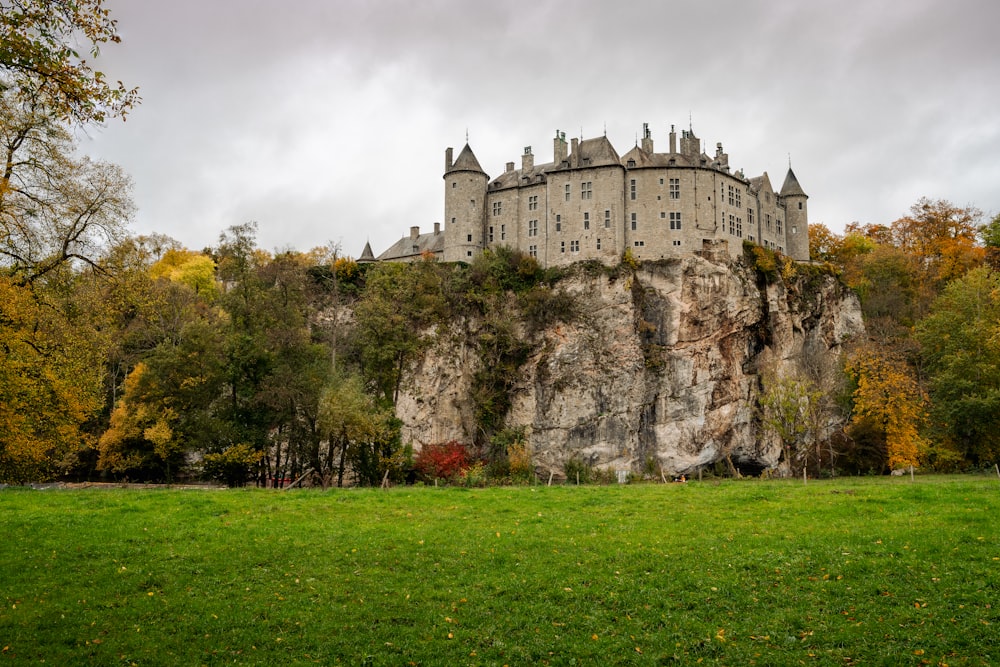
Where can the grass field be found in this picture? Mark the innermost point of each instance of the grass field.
(870, 571)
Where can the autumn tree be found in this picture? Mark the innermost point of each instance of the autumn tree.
(55, 208)
(39, 62)
(887, 398)
(50, 384)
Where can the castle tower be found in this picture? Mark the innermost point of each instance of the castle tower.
(796, 218)
(464, 206)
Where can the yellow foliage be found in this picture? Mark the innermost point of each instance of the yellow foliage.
(190, 268)
(48, 387)
(889, 396)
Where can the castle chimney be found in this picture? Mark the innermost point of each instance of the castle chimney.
(447, 160)
(510, 167)
(437, 228)
(647, 139)
(527, 160)
(673, 140)
(414, 231)
(559, 148)
(574, 156)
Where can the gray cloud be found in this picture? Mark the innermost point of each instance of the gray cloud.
(328, 120)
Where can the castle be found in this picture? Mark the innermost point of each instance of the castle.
(591, 203)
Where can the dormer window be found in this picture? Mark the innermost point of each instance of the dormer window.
(631, 163)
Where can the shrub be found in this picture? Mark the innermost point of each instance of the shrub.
(231, 466)
(578, 471)
(443, 460)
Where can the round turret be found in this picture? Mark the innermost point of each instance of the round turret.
(796, 218)
(464, 206)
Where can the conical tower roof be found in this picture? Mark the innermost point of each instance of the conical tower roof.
(466, 161)
(367, 255)
(791, 186)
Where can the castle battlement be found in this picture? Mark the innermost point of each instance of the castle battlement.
(589, 202)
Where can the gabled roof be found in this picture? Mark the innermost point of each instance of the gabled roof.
(791, 185)
(410, 246)
(597, 152)
(640, 158)
(466, 161)
(761, 183)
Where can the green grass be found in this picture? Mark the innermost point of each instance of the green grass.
(870, 572)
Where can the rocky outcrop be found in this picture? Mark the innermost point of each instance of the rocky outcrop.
(662, 364)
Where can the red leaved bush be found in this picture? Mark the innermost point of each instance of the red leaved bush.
(442, 460)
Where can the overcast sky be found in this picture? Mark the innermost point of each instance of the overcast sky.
(327, 120)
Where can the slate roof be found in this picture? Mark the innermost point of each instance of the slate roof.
(413, 247)
(791, 185)
(466, 161)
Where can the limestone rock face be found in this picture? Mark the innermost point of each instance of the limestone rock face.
(660, 365)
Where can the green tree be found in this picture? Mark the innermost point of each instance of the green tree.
(395, 319)
(356, 430)
(960, 345)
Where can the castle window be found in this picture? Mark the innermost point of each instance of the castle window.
(468, 253)
(633, 222)
(586, 189)
(532, 228)
(503, 232)
(732, 224)
(632, 190)
(574, 246)
(677, 242)
(661, 181)
(453, 184)
(731, 198)
(793, 229)
(453, 221)
(631, 163)
(739, 197)
(767, 221)
(491, 234)
(750, 216)
(598, 244)
(469, 237)
(800, 206)
(663, 215)
(533, 203)
(497, 208)
(781, 249)
(739, 227)
(607, 219)
(586, 220)
(558, 222)
(567, 192)
(562, 246)
(675, 188)
(777, 225)
(533, 250)
(639, 244)
(472, 203)
(416, 248)
(675, 220)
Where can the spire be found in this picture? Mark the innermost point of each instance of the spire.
(366, 255)
(466, 161)
(791, 186)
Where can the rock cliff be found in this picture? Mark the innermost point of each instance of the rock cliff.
(661, 364)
